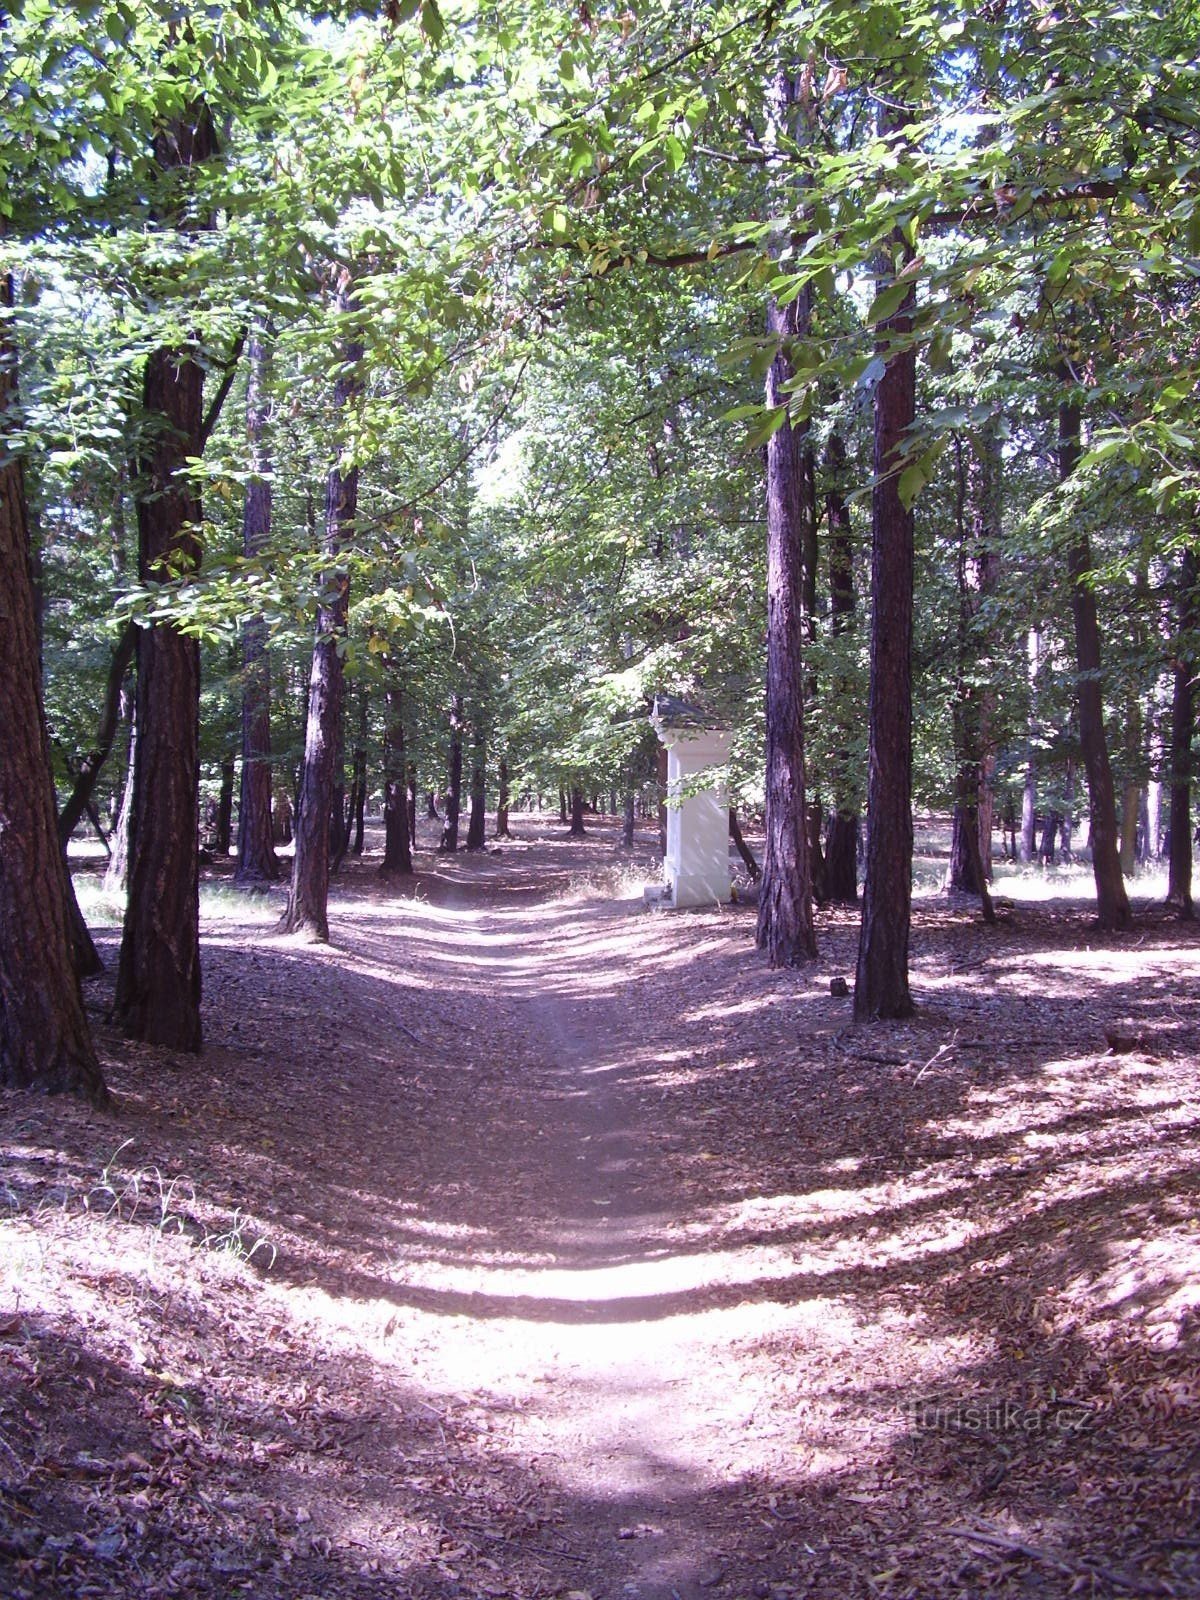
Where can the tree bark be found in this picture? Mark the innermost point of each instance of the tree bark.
(785, 925)
(477, 822)
(1183, 727)
(308, 899)
(158, 978)
(881, 981)
(743, 849)
(1112, 903)
(576, 830)
(44, 1038)
(257, 862)
(358, 786)
(502, 802)
(93, 763)
(224, 830)
(397, 840)
(841, 841)
(453, 800)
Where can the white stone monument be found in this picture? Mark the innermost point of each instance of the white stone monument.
(696, 868)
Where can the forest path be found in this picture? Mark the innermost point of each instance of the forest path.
(588, 1327)
(523, 1244)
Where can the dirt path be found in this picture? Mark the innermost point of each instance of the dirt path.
(522, 1243)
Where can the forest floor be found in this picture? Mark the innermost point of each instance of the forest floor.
(524, 1242)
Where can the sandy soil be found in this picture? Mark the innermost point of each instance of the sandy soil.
(523, 1242)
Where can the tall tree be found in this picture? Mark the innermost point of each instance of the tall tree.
(785, 921)
(307, 910)
(881, 982)
(158, 979)
(1183, 728)
(257, 861)
(1112, 903)
(44, 1037)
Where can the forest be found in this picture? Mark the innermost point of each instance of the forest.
(397, 403)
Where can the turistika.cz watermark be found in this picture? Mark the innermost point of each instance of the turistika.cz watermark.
(978, 1416)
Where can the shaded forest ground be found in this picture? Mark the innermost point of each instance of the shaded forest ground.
(526, 1243)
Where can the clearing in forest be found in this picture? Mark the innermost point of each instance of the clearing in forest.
(525, 1243)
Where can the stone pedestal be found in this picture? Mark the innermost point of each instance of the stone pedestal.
(696, 868)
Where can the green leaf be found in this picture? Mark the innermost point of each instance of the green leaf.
(888, 301)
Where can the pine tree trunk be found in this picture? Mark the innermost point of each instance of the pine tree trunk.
(785, 920)
(477, 823)
(841, 841)
(1112, 904)
(44, 1039)
(158, 979)
(453, 799)
(881, 981)
(1183, 727)
(308, 900)
(257, 862)
(224, 833)
(397, 839)
(502, 802)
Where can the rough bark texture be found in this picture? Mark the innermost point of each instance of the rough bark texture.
(44, 1038)
(881, 982)
(477, 825)
(158, 979)
(453, 799)
(1183, 725)
(502, 801)
(308, 900)
(257, 861)
(841, 840)
(397, 847)
(785, 922)
(1112, 903)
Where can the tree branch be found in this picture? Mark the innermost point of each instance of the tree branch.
(230, 370)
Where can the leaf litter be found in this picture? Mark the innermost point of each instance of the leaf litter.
(526, 1243)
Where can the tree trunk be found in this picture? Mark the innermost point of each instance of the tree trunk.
(502, 802)
(431, 810)
(358, 804)
(477, 824)
(92, 764)
(158, 979)
(224, 834)
(412, 805)
(628, 820)
(881, 981)
(576, 829)
(967, 872)
(44, 1038)
(397, 840)
(785, 920)
(453, 800)
(841, 842)
(1183, 727)
(257, 862)
(116, 873)
(743, 849)
(308, 899)
(1112, 904)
